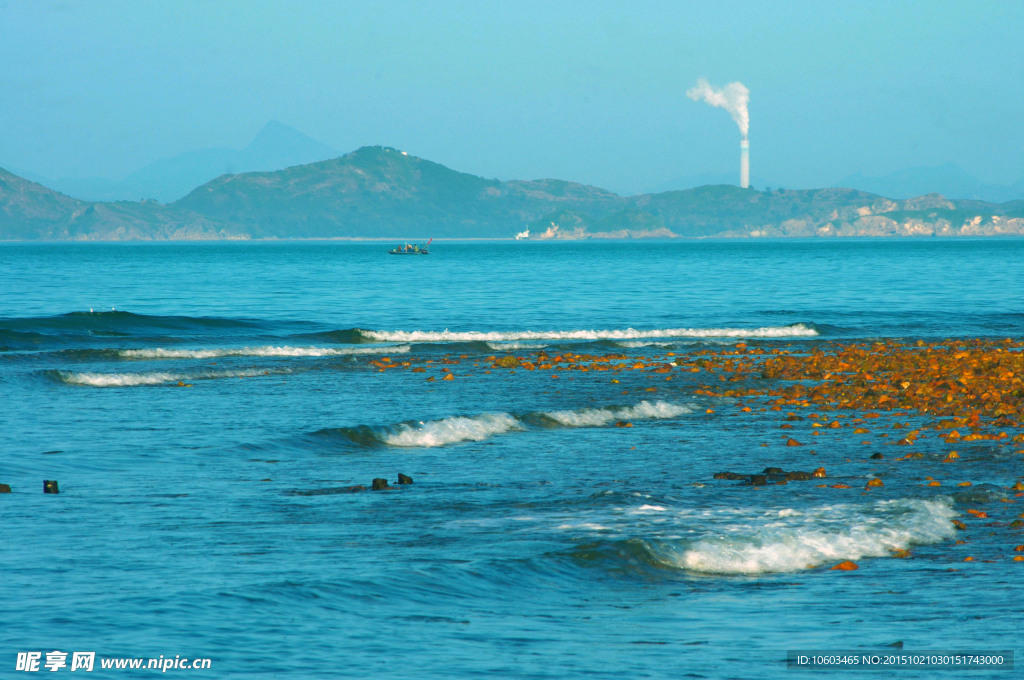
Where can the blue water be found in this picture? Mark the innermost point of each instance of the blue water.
(203, 407)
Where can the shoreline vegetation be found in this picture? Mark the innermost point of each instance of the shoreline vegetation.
(946, 416)
(376, 191)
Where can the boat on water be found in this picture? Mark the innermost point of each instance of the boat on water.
(411, 249)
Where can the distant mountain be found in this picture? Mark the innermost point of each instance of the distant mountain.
(276, 146)
(31, 212)
(949, 180)
(377, 192)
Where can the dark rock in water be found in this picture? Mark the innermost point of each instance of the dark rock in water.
(877, 456)
(771, 475)
(5, 488)
(50, 486)
(404, 479)
(380, 484)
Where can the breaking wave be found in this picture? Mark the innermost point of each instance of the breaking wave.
(434, 433)
(88, 379)
(798, 540)
(750, 542)
(452, 430)
(596, 417)
(264, 351)
(792, 540)
(794, 330)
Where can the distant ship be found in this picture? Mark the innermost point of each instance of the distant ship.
(411, 249)
(523, 235)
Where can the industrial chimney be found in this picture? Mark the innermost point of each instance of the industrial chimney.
(733, 98)
(744, 163)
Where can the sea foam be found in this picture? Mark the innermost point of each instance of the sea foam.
(151, 378)
(261, 351)
(455, 429)
(596, 417)
(451, 430)
(795, 330)
(796, 540)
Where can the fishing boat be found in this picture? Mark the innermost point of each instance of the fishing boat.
(411, 249)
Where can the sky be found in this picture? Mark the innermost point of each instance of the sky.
(593, 92)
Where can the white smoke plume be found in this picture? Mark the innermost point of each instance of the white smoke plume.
(734, 98)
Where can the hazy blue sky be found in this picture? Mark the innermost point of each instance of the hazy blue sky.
(586, 91)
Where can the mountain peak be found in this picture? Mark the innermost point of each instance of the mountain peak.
(276, 135)
(277, 143)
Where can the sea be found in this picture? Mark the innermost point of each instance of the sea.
(207, 408)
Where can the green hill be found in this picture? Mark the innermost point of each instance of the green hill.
(380, 192)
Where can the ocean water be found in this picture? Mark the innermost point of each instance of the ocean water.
(205, 407)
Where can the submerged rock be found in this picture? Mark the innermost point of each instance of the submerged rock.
(327, 492)
(50, 486)
(774, 475)
(5, 488)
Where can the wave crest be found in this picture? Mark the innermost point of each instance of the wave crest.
(455, 429)
(794, 330)
(799, 540)
(452, 430)
(263, 351)
(88, 379)
(595, 417)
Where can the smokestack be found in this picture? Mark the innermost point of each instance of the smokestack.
(744, 163)
(734, 98)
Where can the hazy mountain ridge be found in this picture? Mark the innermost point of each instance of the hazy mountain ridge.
(377, 192)
(31, 212)
(948, 179)
(275, 146)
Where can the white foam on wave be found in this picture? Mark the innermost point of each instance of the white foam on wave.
(795, 330)
(793, 540)
(118, 379)
(637, 344)
(479, 427)
(514, 345)
(452, 430)
(595, 417)
(587, 526)
(151, 378)
(647, 509)
(262, 351)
